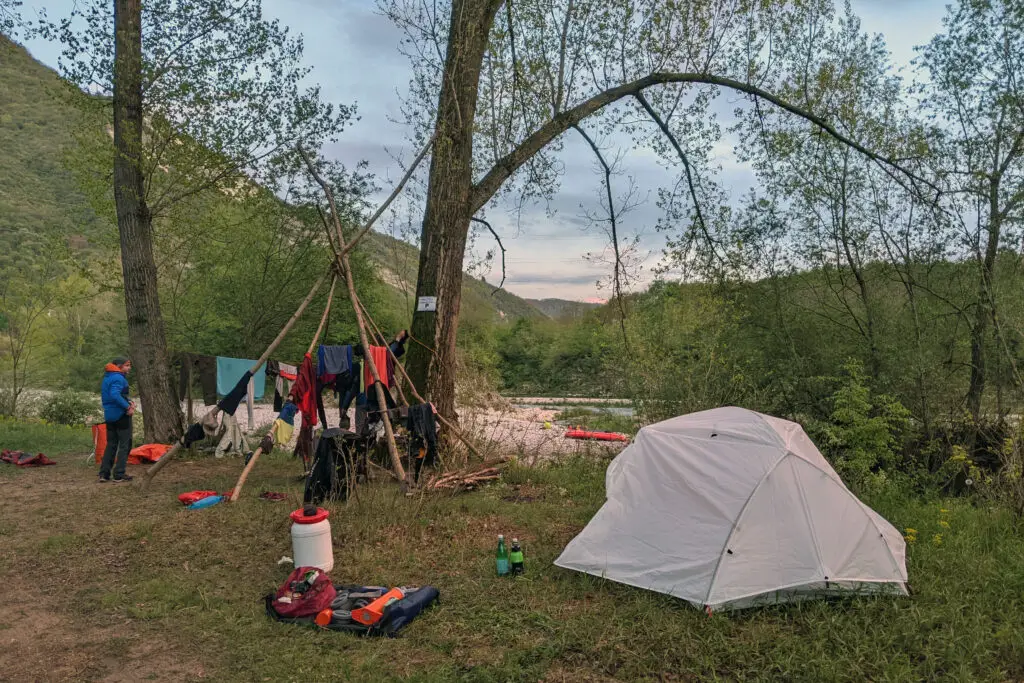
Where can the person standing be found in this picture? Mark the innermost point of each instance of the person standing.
(117, 413)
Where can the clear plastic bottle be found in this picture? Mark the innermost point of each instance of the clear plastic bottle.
(502, 557)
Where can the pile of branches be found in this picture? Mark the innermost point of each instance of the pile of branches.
(467, 479)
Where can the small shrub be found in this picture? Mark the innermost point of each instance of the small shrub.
(70, 407)
(8, 402)
(864, 432)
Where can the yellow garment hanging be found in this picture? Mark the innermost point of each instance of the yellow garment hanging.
(282, 432)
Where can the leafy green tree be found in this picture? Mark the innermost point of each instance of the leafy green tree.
(972, 92)
(206, 96)
(497, 89)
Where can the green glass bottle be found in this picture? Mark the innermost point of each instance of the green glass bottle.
(502, 556)
(516, 558)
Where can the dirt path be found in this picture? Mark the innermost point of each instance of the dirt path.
(57, 560)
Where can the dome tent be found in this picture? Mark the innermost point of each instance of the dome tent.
(729, 508)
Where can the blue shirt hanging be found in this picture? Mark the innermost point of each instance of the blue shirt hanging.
(230, 370)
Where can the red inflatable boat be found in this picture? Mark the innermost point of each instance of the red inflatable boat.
(578, 433)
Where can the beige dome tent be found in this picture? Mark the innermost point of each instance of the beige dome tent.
(729, 508)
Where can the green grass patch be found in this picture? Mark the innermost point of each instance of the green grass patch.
(597, 419)
(40, 437)
(194, 581)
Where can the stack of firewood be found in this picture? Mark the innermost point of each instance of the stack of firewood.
(467, 479)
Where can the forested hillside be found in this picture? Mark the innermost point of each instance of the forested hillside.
(232, 269)
(39, 198)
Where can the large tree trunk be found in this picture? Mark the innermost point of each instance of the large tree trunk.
(449, 209)
(146, 340)
(984, 312)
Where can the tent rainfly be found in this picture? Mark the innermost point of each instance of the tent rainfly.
(728, 509)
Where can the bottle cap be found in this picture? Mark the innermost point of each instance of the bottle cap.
(501, 537)
(515, 540)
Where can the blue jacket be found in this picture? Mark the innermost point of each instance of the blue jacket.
(114, 395)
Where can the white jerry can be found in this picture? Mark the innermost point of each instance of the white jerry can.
(311, 538)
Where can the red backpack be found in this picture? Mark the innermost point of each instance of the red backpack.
(305, 593)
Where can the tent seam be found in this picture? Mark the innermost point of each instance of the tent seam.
(784, 442)
(864, 508)
(807, 514)
(736, 523)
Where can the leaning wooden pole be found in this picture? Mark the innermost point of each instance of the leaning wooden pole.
(346, 273)
(412, 387)
(209, 421)
(237, 491)
(387, 202)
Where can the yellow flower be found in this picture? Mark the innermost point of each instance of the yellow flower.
(910, 532)
(944, 524)
(937, 540)
(911, 539)
(943, 510)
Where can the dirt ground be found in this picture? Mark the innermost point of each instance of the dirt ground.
(49, 631)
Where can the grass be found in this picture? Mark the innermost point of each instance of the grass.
(597, 419)
(39, 437)
(182, 589)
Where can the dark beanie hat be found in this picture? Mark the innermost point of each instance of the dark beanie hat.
(119, 361)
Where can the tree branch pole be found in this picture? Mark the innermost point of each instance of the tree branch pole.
(500, 246)
(237, 491)
(383, 207)
(210, 419)
(511, 162)
(412, 387)
(616, 272)
(346, 273)
(663, 125)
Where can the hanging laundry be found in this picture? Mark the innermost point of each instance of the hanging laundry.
(230, 369)
(304, 392)
(203, 367)
(333, 361)
(348, 388)
(194, 434)
(284, 425)
(381, 358)
(288, 413)
(229, 404)
(233, 440)
(282, 432)
(284, 376)
(423, 437)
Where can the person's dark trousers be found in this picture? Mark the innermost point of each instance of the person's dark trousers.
(119, 442)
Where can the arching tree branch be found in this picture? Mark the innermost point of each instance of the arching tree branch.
(500, 246)
(536, 141)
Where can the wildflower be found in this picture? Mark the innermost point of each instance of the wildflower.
(910, 539)
(937, 540)
(910, 532)
(943, 510)
(944, 524)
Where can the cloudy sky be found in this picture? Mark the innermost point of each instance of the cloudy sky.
(353, 51)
